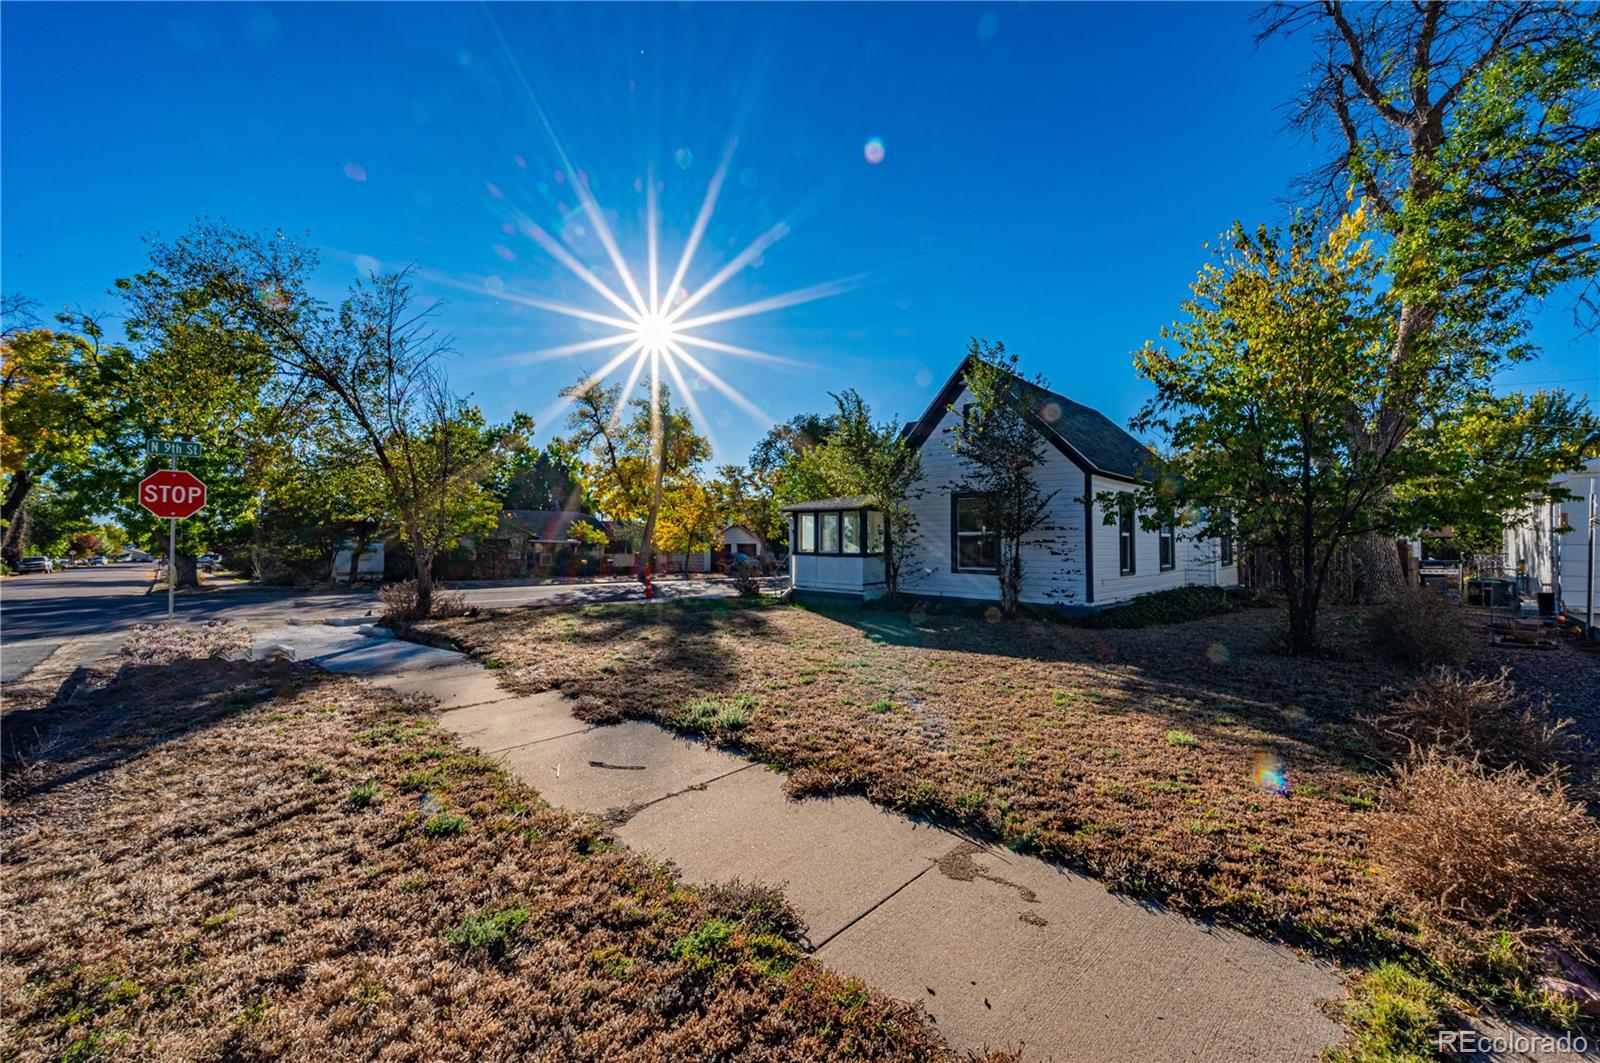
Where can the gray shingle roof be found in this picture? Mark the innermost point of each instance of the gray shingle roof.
(1088, 437)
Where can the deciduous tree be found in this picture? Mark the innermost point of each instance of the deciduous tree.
(1001, 448)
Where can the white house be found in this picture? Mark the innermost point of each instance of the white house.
(1076, 561)
(1549, 550)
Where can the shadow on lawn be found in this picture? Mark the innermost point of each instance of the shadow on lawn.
(1208, 676)
(99, 719)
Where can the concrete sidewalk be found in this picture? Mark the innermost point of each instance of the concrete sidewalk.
(1004, 950)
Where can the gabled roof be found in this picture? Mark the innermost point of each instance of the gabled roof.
(1090, 439)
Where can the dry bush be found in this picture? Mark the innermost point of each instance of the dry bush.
(399, 601)
(1491, 846)
(166, 643)
(745, 579)
(1466, 715)
(1423, 627)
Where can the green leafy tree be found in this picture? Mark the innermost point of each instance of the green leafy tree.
(1473, 133)
(56, 405)
(373, 367)
(747, 499)
(1274, 405)
(863, 457)
(635, 453)
(539, 478)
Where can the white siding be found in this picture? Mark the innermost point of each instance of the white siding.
(1110, 585)
(1203, 562)
(737, 535)
(1571, 549)
(837, 574)
(1052, 560)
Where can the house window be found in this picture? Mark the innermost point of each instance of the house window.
(808, 534)
(874, 532)
(1169, 552)
(1226, 543)
(975, 545)
(850, 531)
(829, 534)
(1125, 541)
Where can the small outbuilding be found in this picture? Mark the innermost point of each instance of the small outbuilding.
(837, 548)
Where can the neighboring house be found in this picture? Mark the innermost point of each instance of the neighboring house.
(1550, 549)
(1075, 561)
(528, 542)
(734, 539)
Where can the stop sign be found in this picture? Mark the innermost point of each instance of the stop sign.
(172, 493)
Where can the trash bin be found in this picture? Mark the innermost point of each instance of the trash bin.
(1547, 603)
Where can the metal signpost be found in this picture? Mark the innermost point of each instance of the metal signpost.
(173, 494)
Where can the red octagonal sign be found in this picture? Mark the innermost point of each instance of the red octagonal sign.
(172, 493)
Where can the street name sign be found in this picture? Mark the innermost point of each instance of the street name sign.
(172, 493)
(174, 448)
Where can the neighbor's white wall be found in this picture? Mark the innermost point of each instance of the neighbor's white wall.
(1052, 562)
(1530, 546)
(1572, 548)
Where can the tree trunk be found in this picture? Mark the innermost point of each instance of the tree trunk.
(645, 555)
(1380, 576)
(424, 563)
(11, 515)
(356, 551)
(187, 572)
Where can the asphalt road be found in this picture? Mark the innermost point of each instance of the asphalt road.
(38, 613)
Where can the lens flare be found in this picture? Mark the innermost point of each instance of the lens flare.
(1267, 771)
(873, 151)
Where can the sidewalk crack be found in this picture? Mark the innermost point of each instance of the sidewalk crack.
(818, 947)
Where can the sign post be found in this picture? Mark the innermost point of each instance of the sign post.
(173, 494)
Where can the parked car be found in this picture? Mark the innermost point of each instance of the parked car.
(97, 561)
(208, 560)
(36, 564)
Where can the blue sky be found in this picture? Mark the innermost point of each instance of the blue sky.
(1049, 172)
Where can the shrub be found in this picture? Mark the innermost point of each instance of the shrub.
(1423, 627)
(745, 578)
(1484, 846)
(1467, 715)
(1182, 738)
(399, 602)
(1175, 606)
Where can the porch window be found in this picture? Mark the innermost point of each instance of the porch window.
(808, 533)
(975, 541)
(850, 531)
(830, 534)
(874, 531)
(1169, 552)
(1125, 542)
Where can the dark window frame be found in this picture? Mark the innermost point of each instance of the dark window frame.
(799, 536)
(1167, 547)
(1127, 545)
(956, 498)
(859, 512)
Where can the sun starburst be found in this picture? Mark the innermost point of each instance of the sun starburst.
(653, 323)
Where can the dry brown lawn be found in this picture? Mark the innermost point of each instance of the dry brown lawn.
(228, 861)
(1135, 753)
